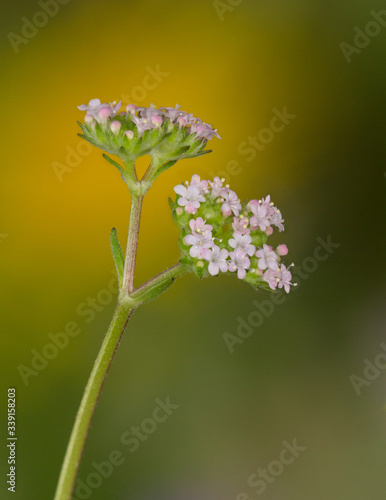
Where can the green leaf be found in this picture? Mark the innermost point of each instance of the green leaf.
(117, 165)
(117, 254)
(163, 167)
(196, 155)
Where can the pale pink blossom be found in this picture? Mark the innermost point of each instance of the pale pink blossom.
(217, 187)
(190, 197)
(239, 262)
(231, 203)
(217, 259)
(243, 242)
(267, 258)
(260, 217)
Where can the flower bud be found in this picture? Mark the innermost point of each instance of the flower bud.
(131, 108)
(156, 120)
(104, 114)
(282, 250)
(115, 126)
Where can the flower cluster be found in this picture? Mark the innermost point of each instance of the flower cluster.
(167, 133)
(219, 233)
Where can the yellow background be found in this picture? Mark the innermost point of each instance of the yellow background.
(325, 171)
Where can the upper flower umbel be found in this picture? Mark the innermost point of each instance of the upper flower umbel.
(166, 134)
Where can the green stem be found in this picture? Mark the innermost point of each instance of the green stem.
(132, 242)
(90, 398)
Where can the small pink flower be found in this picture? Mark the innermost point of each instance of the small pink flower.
(267, 258)
(284, 277)
(281, 278)
(203, 130)
(231, 204)
(270, 277)
(200, 241)
(240, 262)
(217, 260)
(198, 226)
(240, 226)
(217, 187)
(142, 124)
(190, 197)
(277, 220)
(243, 242)
(172, 113)
(196, 181)
(260, 218)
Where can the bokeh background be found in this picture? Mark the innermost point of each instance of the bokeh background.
(231, 63)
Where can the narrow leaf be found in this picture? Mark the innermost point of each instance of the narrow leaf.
(117, 165)
(117, 254)
(163, 167)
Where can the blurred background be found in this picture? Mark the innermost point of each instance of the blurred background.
(301, 375)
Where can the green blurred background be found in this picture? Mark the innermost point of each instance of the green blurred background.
(326, 171)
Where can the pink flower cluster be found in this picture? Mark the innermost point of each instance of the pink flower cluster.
(235, 251)
(147, 118)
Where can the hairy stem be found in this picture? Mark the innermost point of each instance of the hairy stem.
(90, 398)
(132, 242)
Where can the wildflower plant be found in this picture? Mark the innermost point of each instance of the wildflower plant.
(220, 234)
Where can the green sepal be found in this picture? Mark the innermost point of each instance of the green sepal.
(117, 255)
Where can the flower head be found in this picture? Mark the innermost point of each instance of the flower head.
(223, 237)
